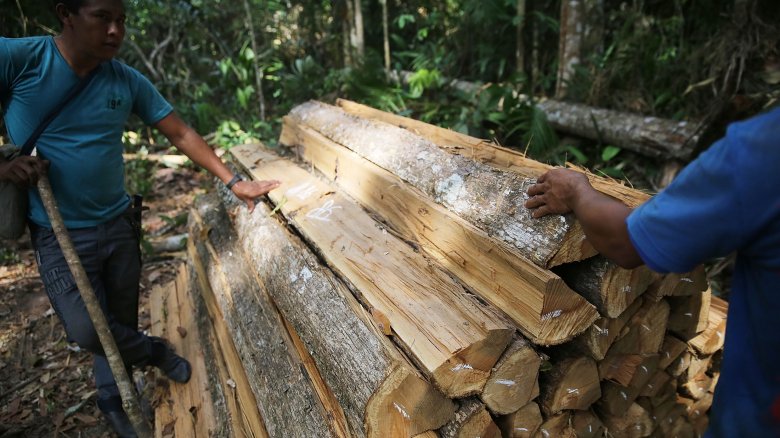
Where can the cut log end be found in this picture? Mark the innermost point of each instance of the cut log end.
(406, 405)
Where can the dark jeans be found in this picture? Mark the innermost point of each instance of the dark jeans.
(111, 258)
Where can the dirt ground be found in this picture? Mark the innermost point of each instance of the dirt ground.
(46, 383)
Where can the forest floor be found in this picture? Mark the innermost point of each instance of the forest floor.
(46, 383)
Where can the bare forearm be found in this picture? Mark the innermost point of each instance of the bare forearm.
(603, 219)
(193, 146)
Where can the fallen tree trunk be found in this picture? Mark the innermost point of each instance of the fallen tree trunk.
(487, 197)
(453, 338)
(380, 392)
(543, 307)
(649, 136)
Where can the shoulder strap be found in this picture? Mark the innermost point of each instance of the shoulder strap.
(30, 143)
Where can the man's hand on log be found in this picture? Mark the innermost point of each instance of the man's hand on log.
(249, 191)
(556, 192)
(23, 171)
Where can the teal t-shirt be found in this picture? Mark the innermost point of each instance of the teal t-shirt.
(84, 142)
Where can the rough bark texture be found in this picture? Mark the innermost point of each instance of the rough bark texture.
(542, 306)
(515, 379)
(287, 400)
(569, 43)
(558, 425)
(489, 153)
(647, 135)
(604, 284)
(452, 337)
(471, 420)
(379, 391)
(487, 197)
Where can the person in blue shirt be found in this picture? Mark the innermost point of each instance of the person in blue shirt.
(81, 152)
(725, 201)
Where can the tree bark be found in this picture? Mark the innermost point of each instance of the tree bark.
(519, 38)
(385, 34)
(569, 44)
(649, 136)
(129, 401)
(488, 198)
(558, 425)
(255, 61)
(287, 400)
(471, 420)
(545, 309)
(458, 340)
(379, 391)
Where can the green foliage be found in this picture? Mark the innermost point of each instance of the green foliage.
(139, 176)
(8, 256)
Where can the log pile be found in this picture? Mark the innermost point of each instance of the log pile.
(394, 285)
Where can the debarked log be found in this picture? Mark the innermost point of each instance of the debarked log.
(543, 307)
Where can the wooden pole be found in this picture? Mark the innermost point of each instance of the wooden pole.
(129, 401)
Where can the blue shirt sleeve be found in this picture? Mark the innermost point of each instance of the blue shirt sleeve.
(696, 218)
(148, 103)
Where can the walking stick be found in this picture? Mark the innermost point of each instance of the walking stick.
(129, 401)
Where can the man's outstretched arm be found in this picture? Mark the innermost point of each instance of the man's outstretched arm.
(560, 191)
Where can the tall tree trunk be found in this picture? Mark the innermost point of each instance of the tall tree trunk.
(386, 34)
(250, 27)
(570, 44)
(358, 34)
(520, 44)
(346, 27)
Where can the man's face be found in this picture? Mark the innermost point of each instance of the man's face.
(99, 28)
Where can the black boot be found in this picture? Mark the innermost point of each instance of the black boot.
(116, 416)
(174, 366)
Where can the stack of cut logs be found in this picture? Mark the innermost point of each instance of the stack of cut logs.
(395, 285)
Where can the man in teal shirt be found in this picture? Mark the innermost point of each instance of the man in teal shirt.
(82, 149)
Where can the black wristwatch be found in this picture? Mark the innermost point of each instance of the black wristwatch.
(236, 178)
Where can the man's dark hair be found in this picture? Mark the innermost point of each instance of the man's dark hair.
(72, 5)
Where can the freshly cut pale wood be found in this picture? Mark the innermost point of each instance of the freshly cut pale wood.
(678, 428)
(453, 338)
(489, 153)
(699, 365)
(287, 399)
(543, 307)
(695, 409)
(607, 286)
(649, 136)
(515, 378)
(523, 423)
(617, 399)
(185, 410)
(587, 425)
(489, 198)
(597, 339)
(559, 425)
(688, 283)
(621, 368)
(471, 420)
(671, 349)
(380, 391)
(572, 383)
(635, 423)
(645, 331)
(689, 314)
(711, 339)
(245, 418)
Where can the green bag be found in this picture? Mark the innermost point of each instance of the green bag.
(13, 202)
